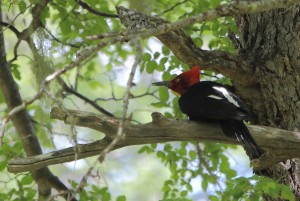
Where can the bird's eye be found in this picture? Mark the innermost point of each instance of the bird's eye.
(177, 80)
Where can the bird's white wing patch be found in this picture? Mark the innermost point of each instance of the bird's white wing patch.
(215, 97)
(227, 95)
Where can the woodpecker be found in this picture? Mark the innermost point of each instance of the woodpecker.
(213, 102)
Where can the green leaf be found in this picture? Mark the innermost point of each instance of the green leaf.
(167, 76)
(105, 195)
(159, 104)
(204, 184)
(146, 57)
(161, 154)
(167, 147)
(172, 156)
(166, 51)
(15, 71)
(30, 193)
(230, 173)
(151, 66)
(183, 193)
(22, 6)
(163, 60)
(193, 154)
(65, 26)
(121, 198)
(189, 187)
(213, 198)
(26, 180)
(199, 42)
(182, 151)
(163, 94)
(156, 55)
(45, 14)
(3, 165)
(153, 145)
(161, 67)
(146, 149)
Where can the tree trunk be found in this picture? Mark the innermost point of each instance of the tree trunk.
(270, 42)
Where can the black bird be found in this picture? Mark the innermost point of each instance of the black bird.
(213, 102)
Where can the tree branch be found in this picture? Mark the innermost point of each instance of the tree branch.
(22, 121)
(79, 95)
(92, 10)
(173, 7)
(160, 130)
(184, 48)
(11, 27)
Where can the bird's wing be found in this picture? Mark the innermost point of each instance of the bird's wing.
(210, 100)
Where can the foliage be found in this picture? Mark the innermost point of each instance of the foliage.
(95, 193)
(68, 27)
(254, 188)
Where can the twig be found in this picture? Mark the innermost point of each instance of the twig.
(233, 8)
(120, 134)
(59, 41)
(203, 163)
(87, 7)
(15, 51)
(173, 7)
(92, 103)
(81, 56)
(3, 125)
(147, 93)
(11, 27)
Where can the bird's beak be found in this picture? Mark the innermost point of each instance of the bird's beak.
(163, 83)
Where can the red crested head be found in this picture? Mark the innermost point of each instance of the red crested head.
(184, 80)
(181, 82)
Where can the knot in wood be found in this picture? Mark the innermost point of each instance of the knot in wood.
(133, 20)
(158, 118)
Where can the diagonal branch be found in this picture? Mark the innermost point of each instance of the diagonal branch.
(79, 95)
(22, 121)
(158, 131)
(184, 48)
(173, 7)
(96, 12)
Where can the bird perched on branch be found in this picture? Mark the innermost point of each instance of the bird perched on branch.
(213, 102)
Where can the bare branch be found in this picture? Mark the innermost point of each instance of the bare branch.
(22, 122)
(120, 132)
(11, 27)
(173, 7)
(92, 10)
(92, 103)
(80, 57)
(160, 130)
(59, 41)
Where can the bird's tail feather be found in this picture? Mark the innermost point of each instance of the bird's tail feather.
(237, 129)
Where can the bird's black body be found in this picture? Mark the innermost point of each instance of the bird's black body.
(211, 101)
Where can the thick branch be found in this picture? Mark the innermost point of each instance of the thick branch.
(22, 121)
(161, 130)
(184, 48)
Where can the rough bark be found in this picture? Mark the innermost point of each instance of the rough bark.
(268, 73)
(23, 124)
(158, 131)
(271, 44)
